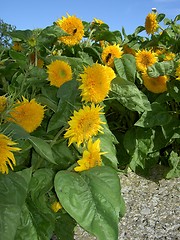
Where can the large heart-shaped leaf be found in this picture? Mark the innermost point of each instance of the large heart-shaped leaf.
(93, 199)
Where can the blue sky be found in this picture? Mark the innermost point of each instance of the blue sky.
(116, 13)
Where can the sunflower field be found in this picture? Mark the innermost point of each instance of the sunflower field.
(80, 105)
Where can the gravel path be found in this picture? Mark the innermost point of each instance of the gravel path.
(153, 210)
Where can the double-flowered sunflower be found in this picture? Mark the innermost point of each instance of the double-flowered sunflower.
(74, 27)
(144, 59)
(91, 157)
(27, 114)
(111, 52)
(151, 23)
(96, 82)
(155, 85)
(6, 155)
(59, 72)
(84, 124)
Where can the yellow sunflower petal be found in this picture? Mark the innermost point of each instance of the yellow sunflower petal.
(155, 85)
(59, 72)
(28, 115)
(56, 206)
(151, 24)
(144, 59)
(96, 81)
(6, 155)
(84, 124)
(74, 27)
(111, 52)
(91, 157)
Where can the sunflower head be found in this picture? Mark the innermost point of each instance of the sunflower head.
(95, 89)
(6, 155)
(98, 21)
(84, 124)
(155, 85)
(27, 114)
(17, 47)
(144, 59)
(169, 56)
(91, 157)
(74, 27)
(111, 52)
(59, 72)
(151, 23)
(3, 103)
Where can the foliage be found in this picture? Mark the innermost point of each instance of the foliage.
(5, 30)
(137, 129)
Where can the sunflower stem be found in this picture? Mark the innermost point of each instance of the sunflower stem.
(72, 167)
(89, 38)
(57, 136)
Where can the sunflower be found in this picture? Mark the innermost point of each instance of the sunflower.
(169, 56)
(111, 52)
(84, 124)
(178, 72)
(96, 81)
(144, 59)
(28, 115)
(74, 27)
(6, 155)
(98, 21)
(59, 72)
(151, 23)
(155, 85)
(3, 103)
(56, 206)
(17, 47)
(91, 157)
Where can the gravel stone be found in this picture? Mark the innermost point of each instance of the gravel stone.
(152, 210)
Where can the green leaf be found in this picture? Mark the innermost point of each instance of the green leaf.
(68, 94)
(58, 119)
(64, 227)
(158, 116)
(105, 35)
(98, 189)
(126, 67)
(138, 142)
(160, 17)
(26, 229)
(129, 95)
(139, 29)
(41, 183)
(15, 131)
(43, 221)
(20, 58)
(161, 69)
(174, 162)
(42, 148)
(174, 89)
(13, 191)
(177, 18)
(63, 155)
(21, 34)
(107, 145)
